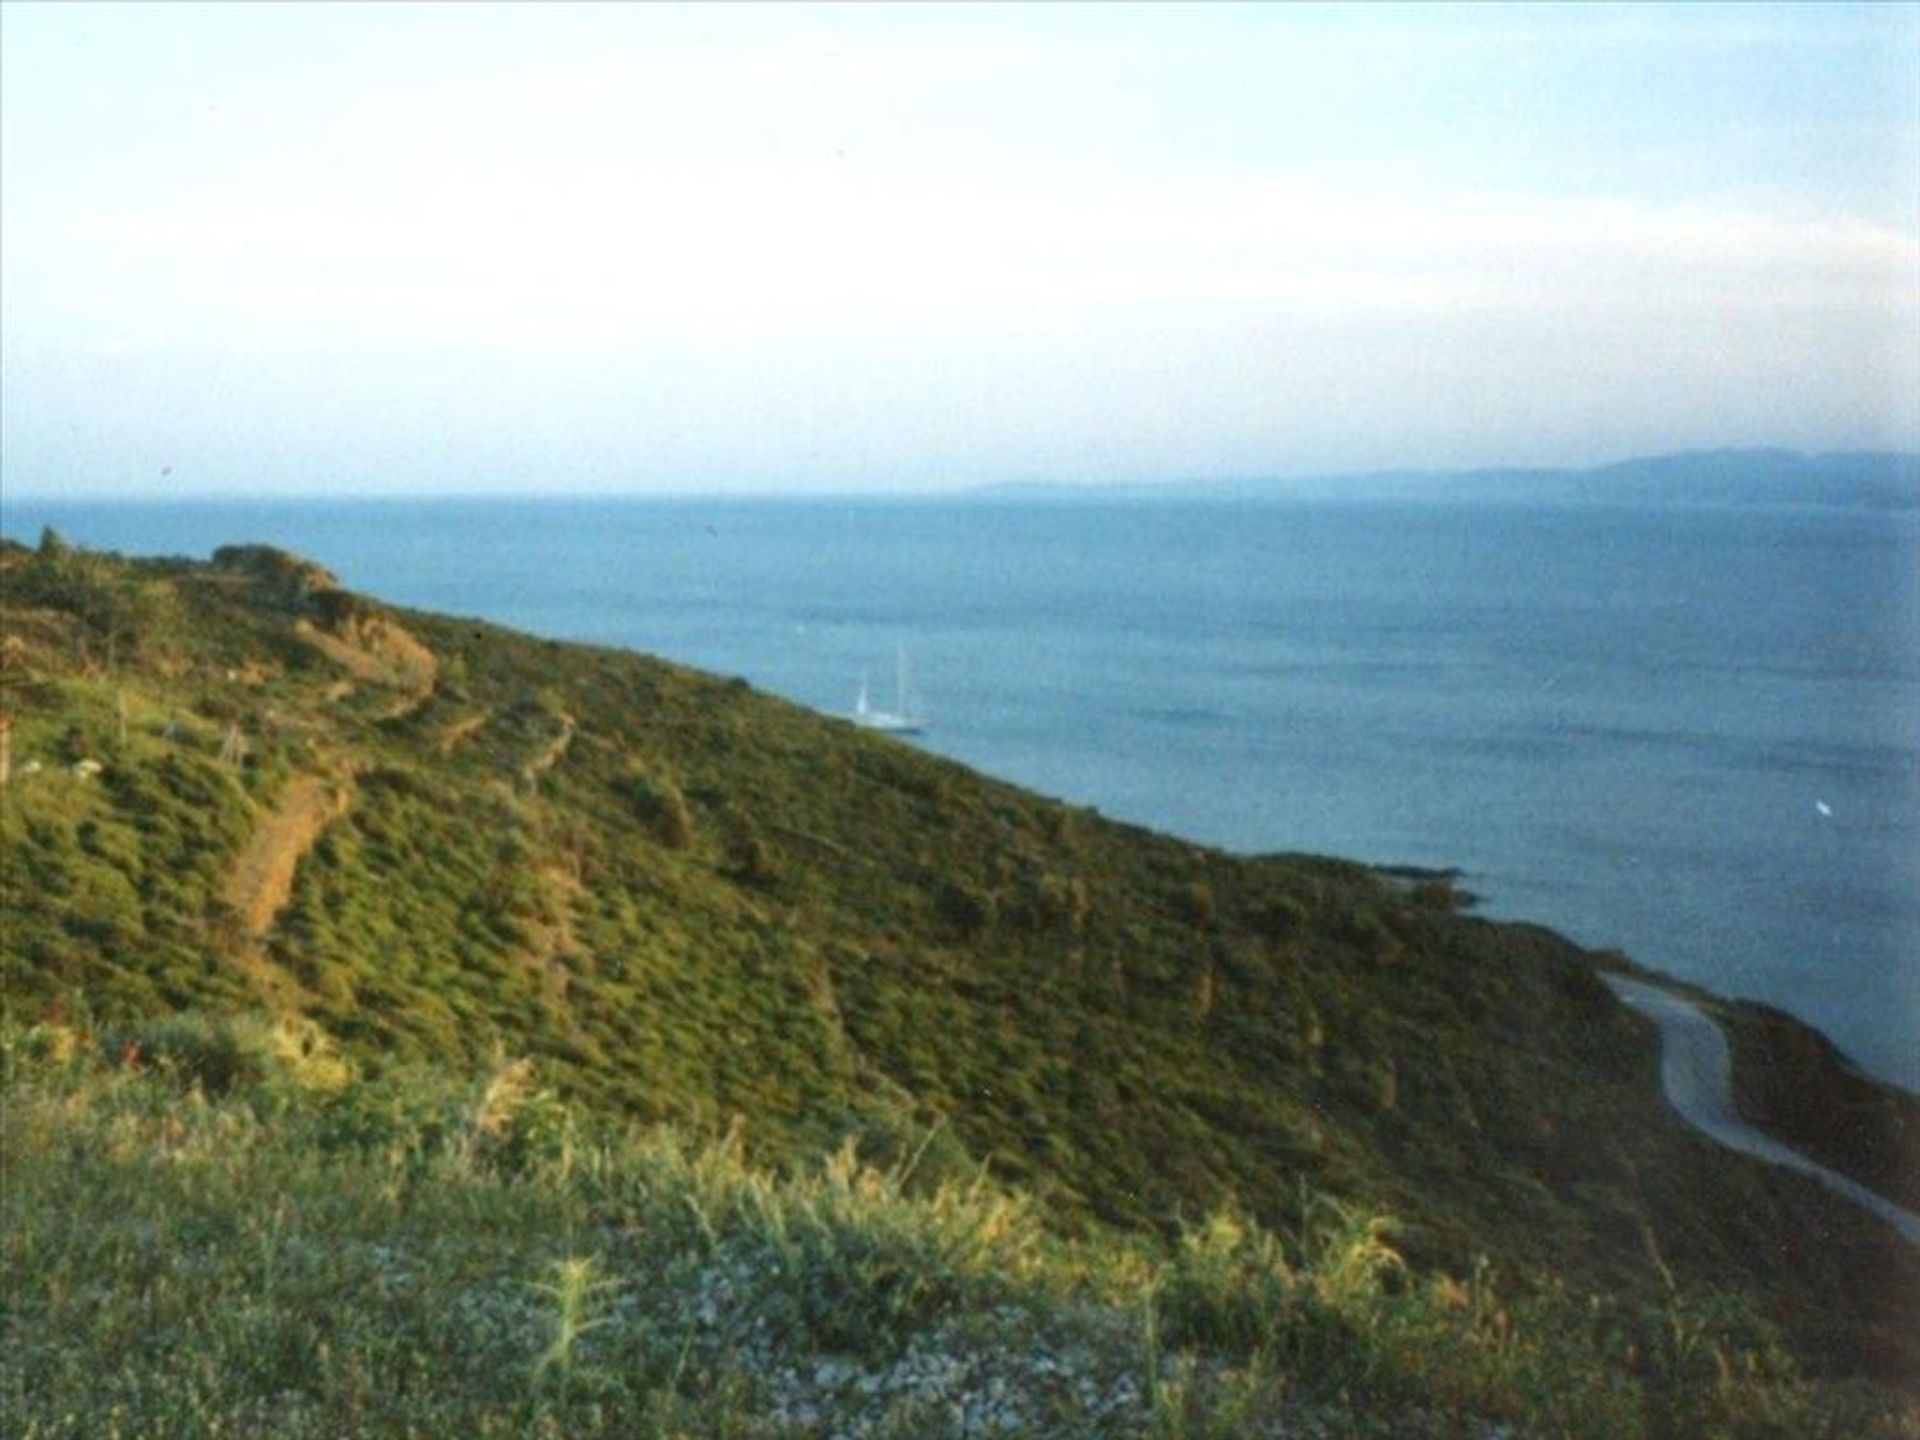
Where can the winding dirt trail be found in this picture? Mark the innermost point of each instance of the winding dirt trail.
(385, 655)
(552, 754)
(261, 882)
(459, 732)
(1696, 1073)
(554, 943)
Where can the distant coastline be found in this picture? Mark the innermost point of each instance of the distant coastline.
(1887, 479)
(1882, 479)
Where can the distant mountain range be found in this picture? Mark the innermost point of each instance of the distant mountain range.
(1876, 479)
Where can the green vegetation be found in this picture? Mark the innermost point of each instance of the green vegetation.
(1791, 1080)
(429, 846)
(218, 1227)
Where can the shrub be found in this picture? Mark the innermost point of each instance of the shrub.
(750, 860)
(969, 911)
(661, 808)
(1228, 1286)
(1194, 904)
(1280, 919)
(222, 1054)
(1436, 893)
(918, 1158)
(869, 1266)
(1047, 902)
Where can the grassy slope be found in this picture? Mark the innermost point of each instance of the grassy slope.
(218, 1228)
(1791, 1080)
(689, 902)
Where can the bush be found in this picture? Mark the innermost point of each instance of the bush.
(1047, 902)
(1280, 919)
(661, 808)
(750, 860)
(969, 911)
(870, 1266)
(1229, 1286)
(1194, 904)
(223, 1054)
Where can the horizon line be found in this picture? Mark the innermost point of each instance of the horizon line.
(1162, 487)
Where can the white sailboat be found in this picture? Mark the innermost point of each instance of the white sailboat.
(903, 719)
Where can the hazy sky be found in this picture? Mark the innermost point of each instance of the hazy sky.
(380, 248)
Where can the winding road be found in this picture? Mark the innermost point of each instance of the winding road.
(1696, 1071)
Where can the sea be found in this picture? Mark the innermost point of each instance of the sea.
(1689, 732)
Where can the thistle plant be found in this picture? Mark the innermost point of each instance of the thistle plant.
(576, 1294)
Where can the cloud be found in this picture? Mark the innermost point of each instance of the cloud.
(1174, 239)
(594, 252)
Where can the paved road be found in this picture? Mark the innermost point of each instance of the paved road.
(1696, 1071)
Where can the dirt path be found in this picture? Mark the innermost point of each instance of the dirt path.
(262, 879)
(385, 656)
(1696, 1072)
(531, 772)
(552, 943)
(406, 707)
(456, 734)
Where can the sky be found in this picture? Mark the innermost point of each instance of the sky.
(292, 250)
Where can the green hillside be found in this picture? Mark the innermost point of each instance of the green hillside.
(238, 789)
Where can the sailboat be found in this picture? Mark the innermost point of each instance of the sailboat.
(902, 719)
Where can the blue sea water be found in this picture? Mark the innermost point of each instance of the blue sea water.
(1691, 733)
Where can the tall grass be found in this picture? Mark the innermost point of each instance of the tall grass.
(273, 1244)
